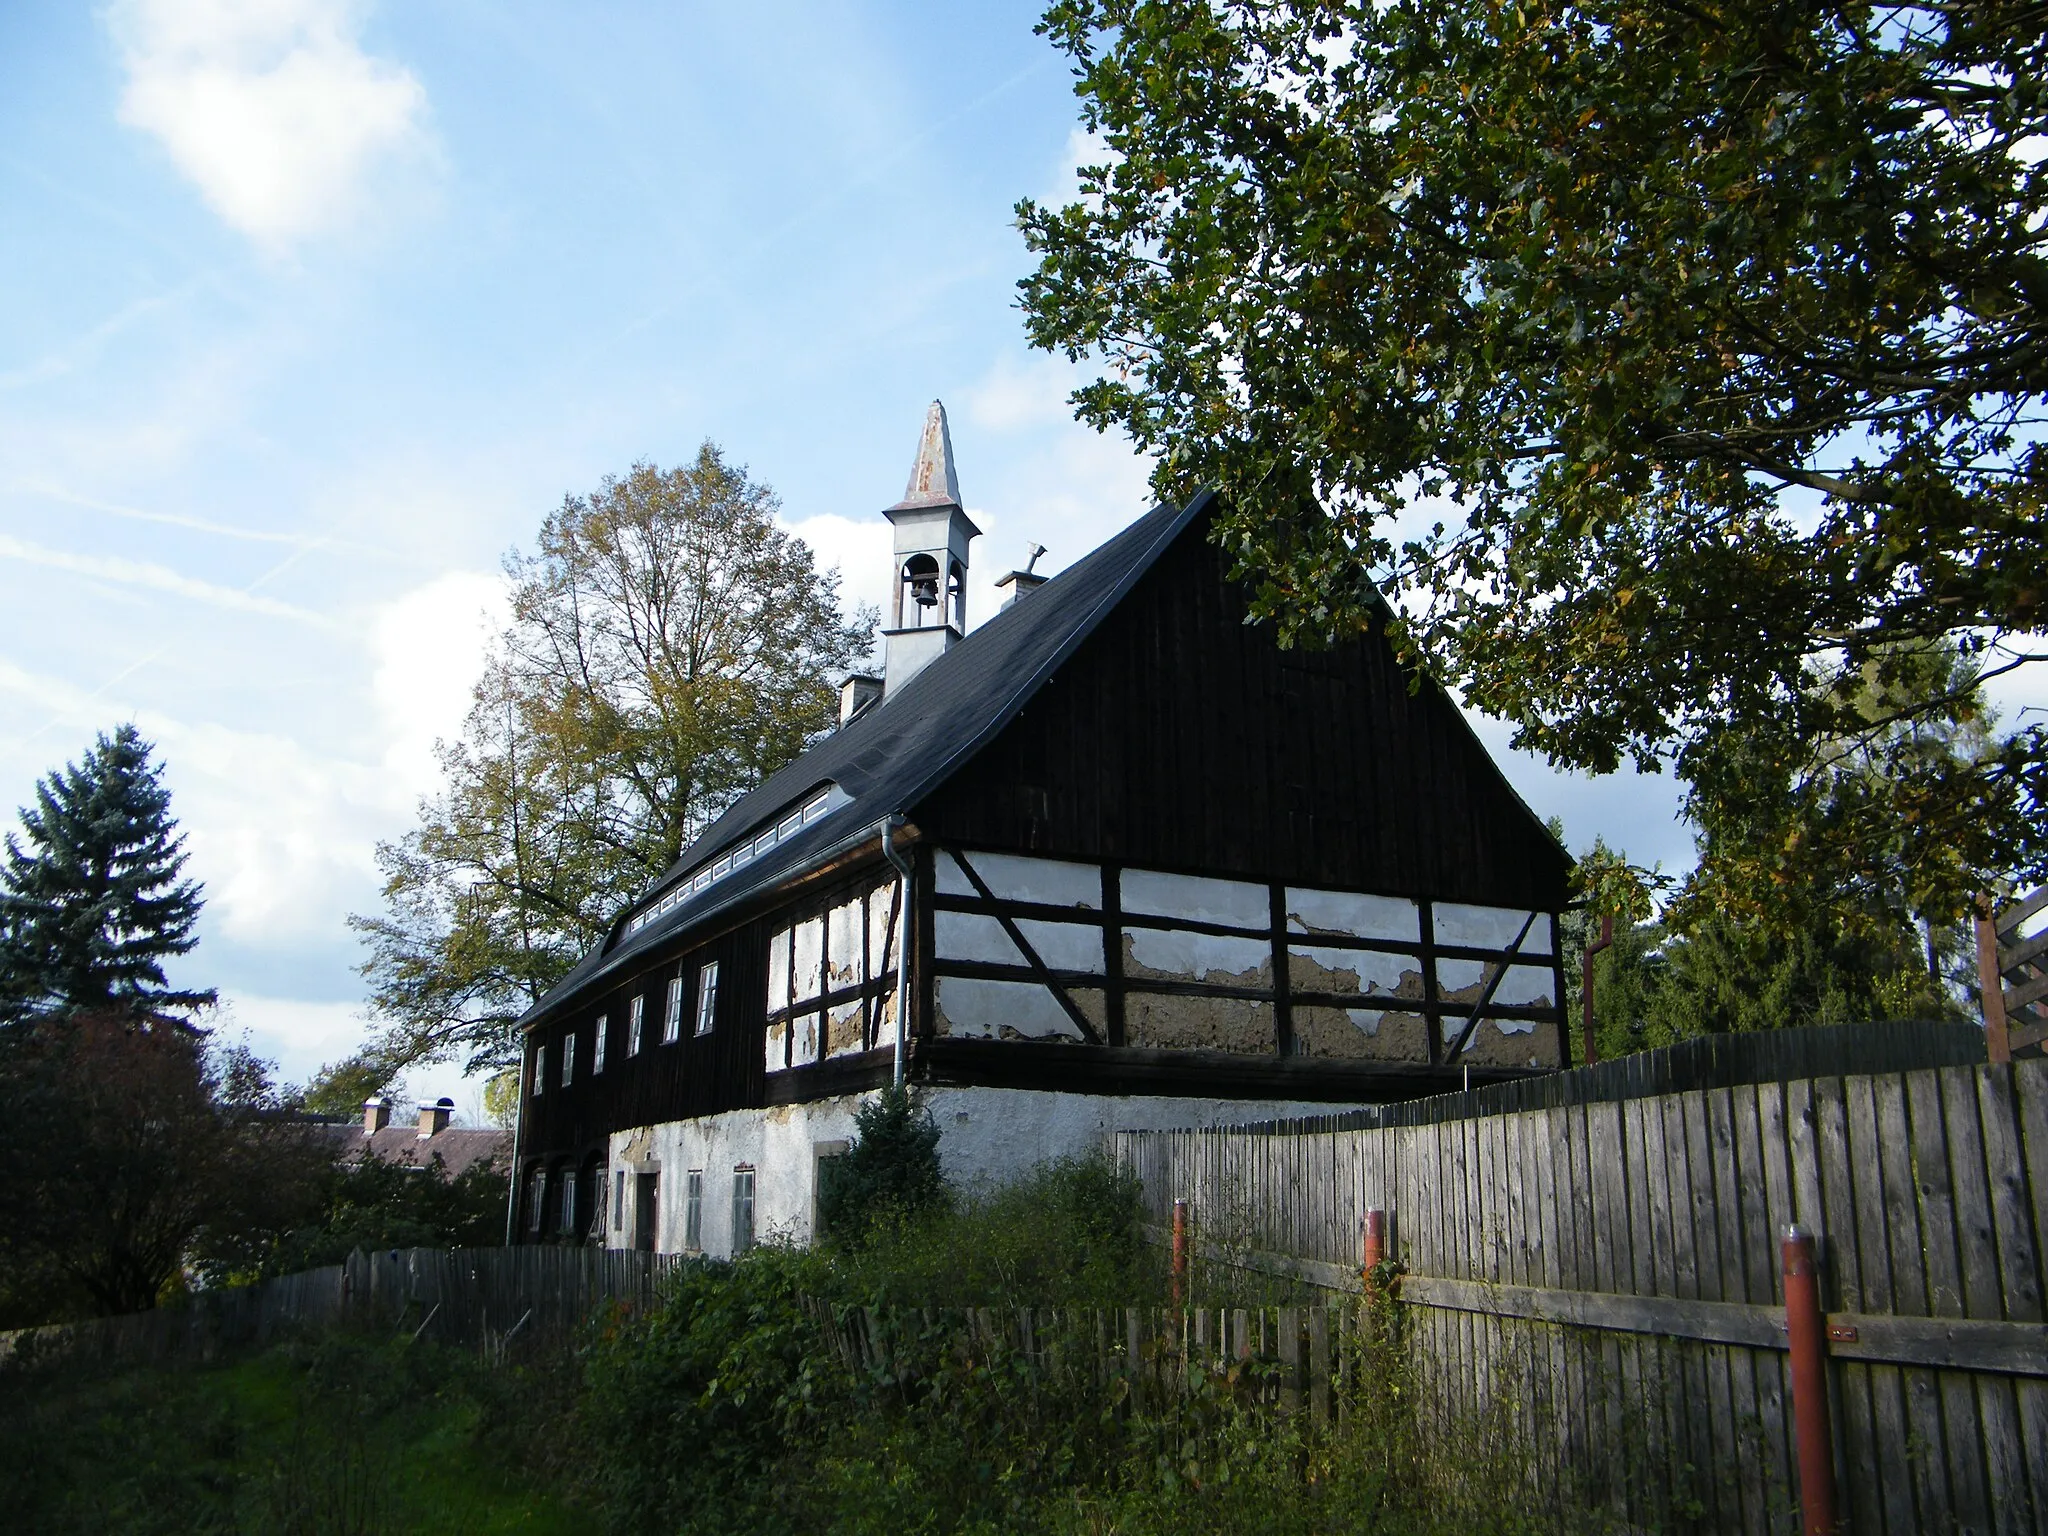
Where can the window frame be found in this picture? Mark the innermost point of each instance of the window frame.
(597, 1034)
(707, 999)
(672, 1011)
(540, 1069)
(569, 1059)
(636, 1023)
(743, 1189)
(693, 1210)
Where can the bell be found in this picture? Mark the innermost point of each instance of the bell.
(924, 590)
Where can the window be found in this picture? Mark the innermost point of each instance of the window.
(568, 1058)
(568, 1182)
(707, 997)
(536, 1192)
(636, 1012)
(672, 1019)
(830, 798)
(693, 1210)
(619, 1201)
(540, 1069)
(597, 1045)
(742, 1208)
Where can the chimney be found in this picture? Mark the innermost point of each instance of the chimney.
(928, 606)
(376, 1114)
(856, 695)
(434, 1117)
(1021, 582)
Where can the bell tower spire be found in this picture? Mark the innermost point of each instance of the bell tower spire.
(928, 599)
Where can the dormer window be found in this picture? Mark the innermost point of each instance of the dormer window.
(814, 808)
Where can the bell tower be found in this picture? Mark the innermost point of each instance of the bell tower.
(928, 602)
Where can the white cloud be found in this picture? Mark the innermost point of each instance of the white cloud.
(427, 650)
(270, 106)
(155, 578)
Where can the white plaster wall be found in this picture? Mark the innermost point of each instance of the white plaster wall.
(986, 1135)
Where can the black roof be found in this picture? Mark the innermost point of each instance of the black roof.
(898, 752)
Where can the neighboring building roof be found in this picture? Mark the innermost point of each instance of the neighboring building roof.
(458, 1148)
(894, 754)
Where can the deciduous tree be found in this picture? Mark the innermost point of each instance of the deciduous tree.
(1708, 337)
(670, 646)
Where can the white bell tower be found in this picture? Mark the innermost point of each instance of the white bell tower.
(928, 605)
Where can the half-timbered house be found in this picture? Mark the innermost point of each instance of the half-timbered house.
(1113, 859)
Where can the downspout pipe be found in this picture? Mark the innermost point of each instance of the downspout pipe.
(891, 825)
(518, 1132)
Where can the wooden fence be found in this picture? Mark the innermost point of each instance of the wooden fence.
(1604, 1278)
(483, 1296)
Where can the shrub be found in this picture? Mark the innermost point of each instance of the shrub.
(890, 1171)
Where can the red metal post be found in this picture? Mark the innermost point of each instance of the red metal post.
(1375, 1248)
(1180, 1251)
(1586, 985)
(1806, 1331)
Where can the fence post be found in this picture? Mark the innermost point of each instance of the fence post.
(1991, 984)
(1806, 1332)
(1180, 1251)
(1375, 1249)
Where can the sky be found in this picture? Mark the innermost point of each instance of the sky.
(311, 310)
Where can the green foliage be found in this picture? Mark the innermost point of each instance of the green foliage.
(1066, 1233)
(370, 1204)
(133, 1149)
(1657, 986)
(729, 1408)
(892, 1168)
(1703, 335)
(92, 907)
(670, 646)
(335, 1436)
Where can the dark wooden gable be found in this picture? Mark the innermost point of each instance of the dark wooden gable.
(1179, 737)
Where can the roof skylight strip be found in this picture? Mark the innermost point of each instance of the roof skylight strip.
(745, 853)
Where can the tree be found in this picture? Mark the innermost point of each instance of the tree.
(130, 1144)
(93, 906)
(892, 1168)
(670, 646)
(1710, 335)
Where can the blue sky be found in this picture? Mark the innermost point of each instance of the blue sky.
(313, 309)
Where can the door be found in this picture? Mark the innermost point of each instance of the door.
(646, 1209)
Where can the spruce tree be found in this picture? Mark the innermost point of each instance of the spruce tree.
(93, 905)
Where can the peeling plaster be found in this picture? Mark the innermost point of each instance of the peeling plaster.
(976, 936)
(1315, 968)
(1199, 1023)
(1490, 927)
(807, 958)
(1233, 902)
(1512, 1043)
(998, 1010)
(1355, 1033)
(1013, 877)
(1524, 986)
(972, 936)
(1176, 954)
(843, 1029)
(1362, 917)
(847, 966)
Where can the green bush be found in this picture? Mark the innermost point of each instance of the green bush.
(891, 1172)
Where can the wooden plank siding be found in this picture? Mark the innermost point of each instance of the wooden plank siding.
(1178, 737)
(1613, 1268)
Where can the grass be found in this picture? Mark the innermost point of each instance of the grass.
(323, 1437)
